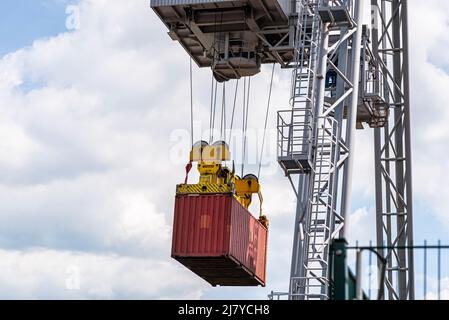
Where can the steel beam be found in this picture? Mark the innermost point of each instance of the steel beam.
(351, 125)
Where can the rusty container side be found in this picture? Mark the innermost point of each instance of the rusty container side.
(201, 226)
(261, 268)
(248, 241)
(219, 240)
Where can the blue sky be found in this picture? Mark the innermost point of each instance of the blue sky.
(85, 189)
(23, 21)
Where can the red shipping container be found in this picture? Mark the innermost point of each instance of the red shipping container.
(219, 240)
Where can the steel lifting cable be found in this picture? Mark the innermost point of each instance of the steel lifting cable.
(214, 92)
(245, 122)
(233, 111)
(224, 88)
(223, 114)
(191, 102)
(266, 122)
(247, 104)
(189, 165)
(214, 112)
(211, 107)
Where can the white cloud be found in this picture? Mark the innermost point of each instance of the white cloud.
(151, 230)
(16, 146)
(82, 173)
(361, 226)
(48, 274)
(85, 142)
(432, 289)
(92, 112)
(430, 79)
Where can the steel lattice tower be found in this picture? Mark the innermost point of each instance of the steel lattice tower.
(348, 74)
(394, 205)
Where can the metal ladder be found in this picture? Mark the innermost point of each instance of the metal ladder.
(306, 51)
(318, 230)
(295, 126)
(319, 139)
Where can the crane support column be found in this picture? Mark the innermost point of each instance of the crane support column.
(352, 115)
(394, 204)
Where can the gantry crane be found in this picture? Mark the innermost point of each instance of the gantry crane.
(348, 74)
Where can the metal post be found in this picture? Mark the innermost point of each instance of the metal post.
(408, 148)
(339, 113)
(296, 265)
(370, 261)
(386, 132)
(352, 114)
(340, 270)
(425, 269)
(439, 269)
(359, 277)
(321, 72)
(377, 153)
(399, 147)
(382, 280)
